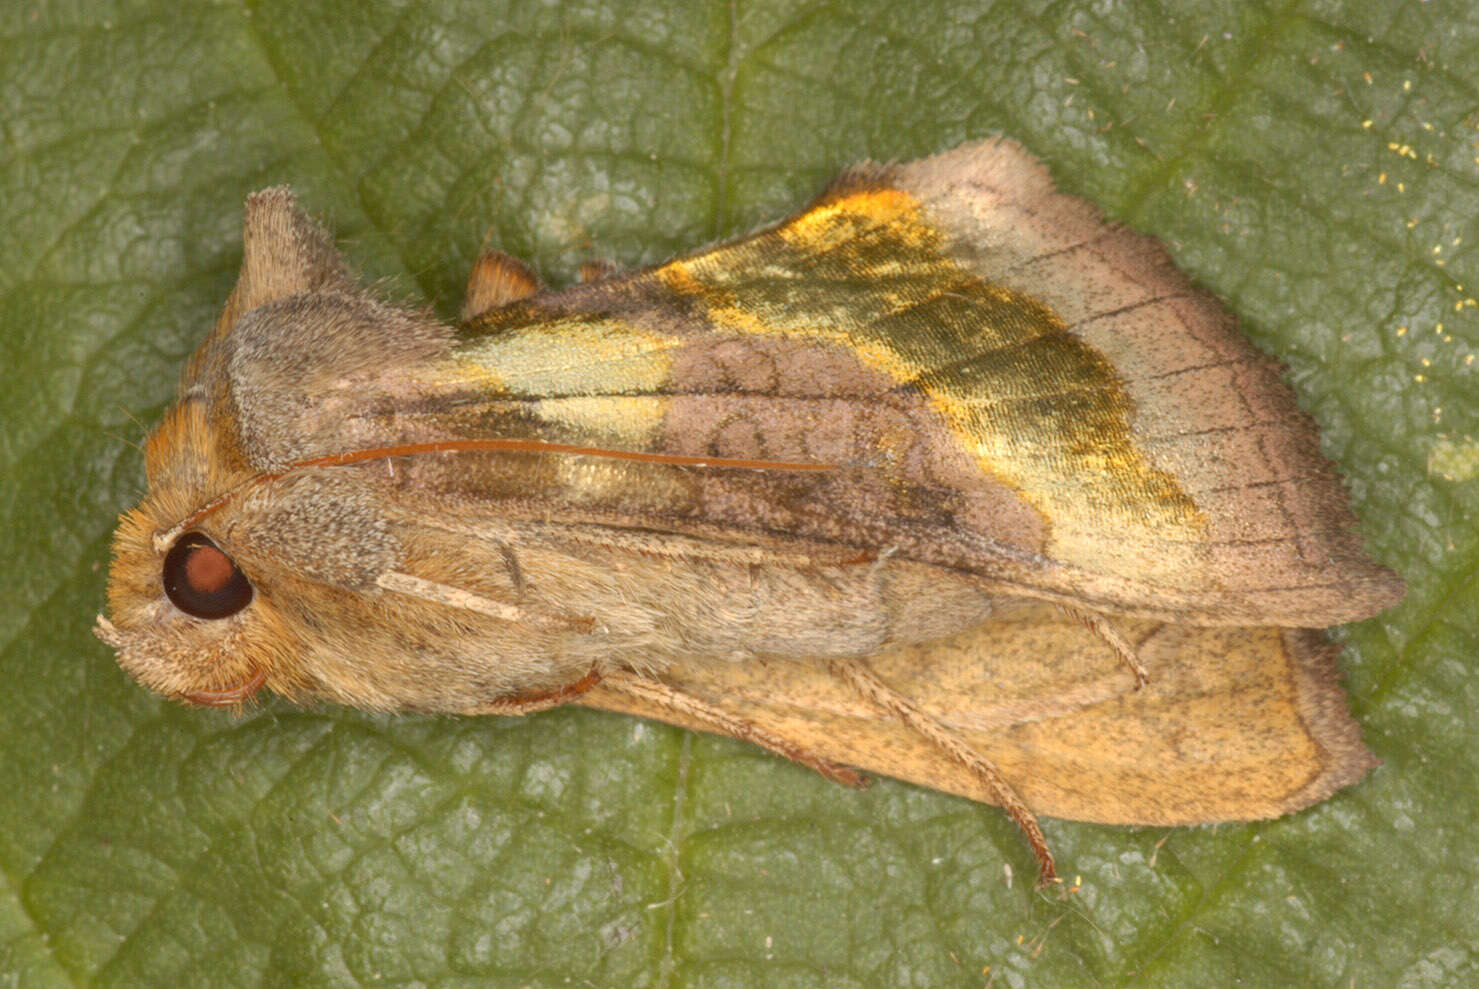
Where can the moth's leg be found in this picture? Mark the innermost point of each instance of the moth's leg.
(690, 548)
(540, 700)
(496, 280)
(515, 572)
(664, 544)
(455, 597)
(858, 676)
(724, 723)
(596, 269)
(232, 696)
(1122, 647)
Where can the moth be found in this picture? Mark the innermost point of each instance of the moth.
(943, 477)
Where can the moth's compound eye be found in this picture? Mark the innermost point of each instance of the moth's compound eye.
(203, 581)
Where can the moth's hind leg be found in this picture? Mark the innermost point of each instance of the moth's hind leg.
(648, 691)
(1101, 626)
(496, 280)
(866, 683)
(653, 698)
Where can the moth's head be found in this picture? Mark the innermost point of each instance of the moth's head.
(185, 612)
(191, 607)
(178, 624)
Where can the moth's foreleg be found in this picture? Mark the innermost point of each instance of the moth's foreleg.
(457, 597)
(529, 703)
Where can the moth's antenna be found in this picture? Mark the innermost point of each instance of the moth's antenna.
(541, 446)
(164, 539)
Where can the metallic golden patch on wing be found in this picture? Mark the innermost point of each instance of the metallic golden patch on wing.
(1033, 404)
(573, 356)
(616, 422)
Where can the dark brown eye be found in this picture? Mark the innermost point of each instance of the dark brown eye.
(203, 581)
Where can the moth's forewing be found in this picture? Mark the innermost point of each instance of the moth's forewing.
(1236, 723)
(1006, 384)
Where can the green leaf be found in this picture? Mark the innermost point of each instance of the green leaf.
(1314, 163)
